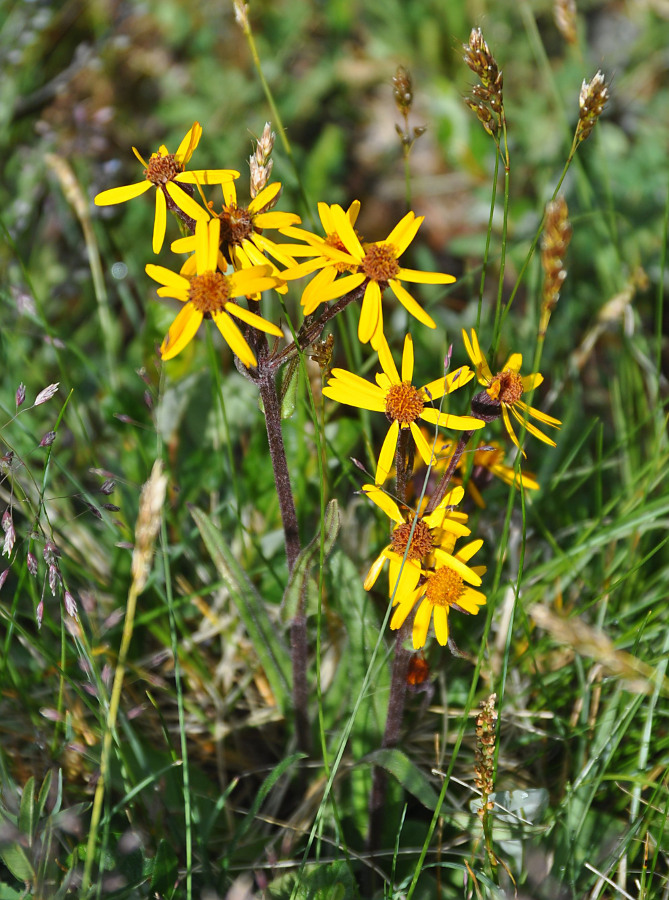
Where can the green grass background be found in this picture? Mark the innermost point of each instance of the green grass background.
(206, 795)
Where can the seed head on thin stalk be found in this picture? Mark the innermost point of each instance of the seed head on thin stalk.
(485, 768)
(554, 243)
(260, 162)
(487, 99)
(403, 94)
(591, 101)
(564, 13)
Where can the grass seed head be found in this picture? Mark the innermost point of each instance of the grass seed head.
(593, 98)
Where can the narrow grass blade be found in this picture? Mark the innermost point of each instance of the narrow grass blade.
(272, 652)
(299, 583)
(407, 773)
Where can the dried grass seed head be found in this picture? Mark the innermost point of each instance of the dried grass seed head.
(593, 97)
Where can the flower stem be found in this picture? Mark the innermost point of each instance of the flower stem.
(277, 451)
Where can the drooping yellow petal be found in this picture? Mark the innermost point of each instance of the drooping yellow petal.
(537, 414)
(422, 445)
(533, 430)
(406, 604)
(375, 570)
(123, 193)
(403, 575)
(369, 314)
(425, 277)
(509, 428)
(234, 338)
(181, 332)
(186, 203)
(421, 623)
(410, 304)
(387, 454)
(189, 143)
(253, 319)
(441, 624)
(384, 502)
(311, 296)
(159, 222)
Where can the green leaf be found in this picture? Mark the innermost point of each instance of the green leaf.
(165, 868)
(16, 860)
(44, 793)
(409, 775)
(294, 597)
(27, 810)
(272, 652)
(9, 893)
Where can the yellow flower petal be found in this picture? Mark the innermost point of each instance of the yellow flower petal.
(446, 420)
(403, 576)
(375, 570)
(530, 382)
(384, 502)
(189, 143)
(425, 277)
(422, 445)
(207, 176)
(346, 233)
(181, 332)
(168, 278)
(514, 363)
(229, 193)
(186, 203)
(407, 359)
(387, 454)
(123, 193)
(467, 574)
(159, 222)
(404, 232)
(441, 624)
(362, 395)
(234, 338)
(369, 314)
(410, 304)
(421, 623)
(253, 319)
(213, 240)
(388, 366)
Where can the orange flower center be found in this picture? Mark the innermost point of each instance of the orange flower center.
(421, 542)
(444, 587)
(404, 403)
(209, 292)
(236, 224)
(379, 263)
(507, 387)
(162, 169)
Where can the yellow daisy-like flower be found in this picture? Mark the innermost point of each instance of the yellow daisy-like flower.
(445, 587)
(376, 264)
(402, 403)
(242, 242)
(165, 171)
(488, 457)
(507, 387)
(431, 535)
(209, 293)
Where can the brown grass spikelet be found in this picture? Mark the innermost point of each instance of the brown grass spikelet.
(148, 523)
(260, 162)
(564, 13)
(403, 94)
(485, 752)
(554, 243)
(592, 99)
(487, 99)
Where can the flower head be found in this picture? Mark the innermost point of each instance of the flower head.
(507, 387)
(243, 243)
(426, 538)
(209, 293)
(166, 172)
(487, 460)
(375, 265)
(402, 403)
(447, 586)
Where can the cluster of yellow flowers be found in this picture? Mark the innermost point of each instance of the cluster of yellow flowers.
(231, 257)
